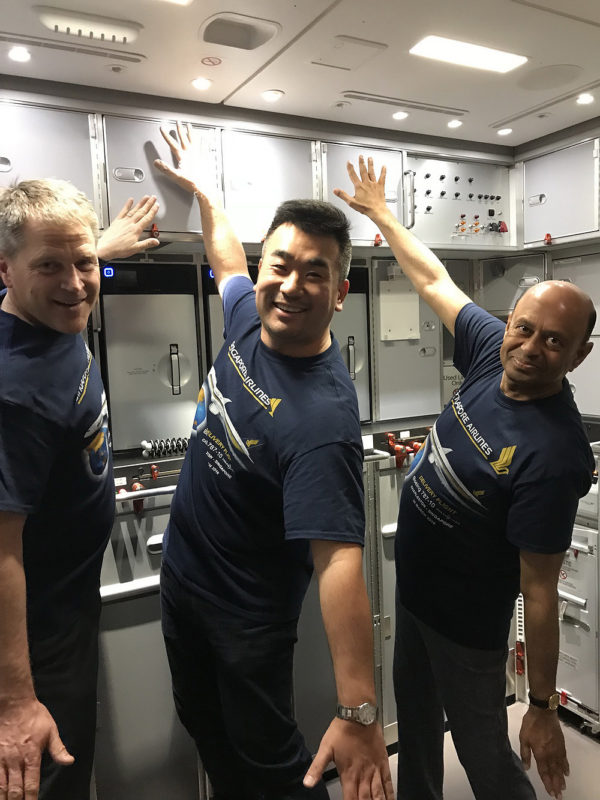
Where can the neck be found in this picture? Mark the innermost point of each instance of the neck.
(522, 393)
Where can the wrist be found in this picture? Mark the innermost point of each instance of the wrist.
(545, 702)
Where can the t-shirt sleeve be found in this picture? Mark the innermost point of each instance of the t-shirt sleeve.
(542, 514)
(478, 336)
(29, 445)
(239, 305)
(323, 495)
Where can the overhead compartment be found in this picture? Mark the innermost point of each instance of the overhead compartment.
(132, 145)
(560, 194)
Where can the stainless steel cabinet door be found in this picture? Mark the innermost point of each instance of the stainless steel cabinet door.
(561, 193)
(335, 176)
(152, 387)
(504, 280)
(350, 328)
(46, 143)
(260, 172)
(131, 147)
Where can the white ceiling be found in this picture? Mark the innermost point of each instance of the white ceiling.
(323, 50)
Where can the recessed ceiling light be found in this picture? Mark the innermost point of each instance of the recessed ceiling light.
(18, 53)
(272, 95)
(400, 115)
(467, 55)
(454, 123)
(585, 99)
(504, 131)
(202, 84)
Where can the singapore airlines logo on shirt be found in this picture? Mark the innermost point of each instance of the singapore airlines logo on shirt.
(270, 404)
(503, 463)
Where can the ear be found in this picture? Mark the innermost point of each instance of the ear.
(341, 294)
(581, 355)
(508, 319)
(4, 269)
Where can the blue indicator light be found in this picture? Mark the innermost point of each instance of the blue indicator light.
(108, 272)
(211, 274)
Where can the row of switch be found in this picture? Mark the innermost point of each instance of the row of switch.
(471, 195)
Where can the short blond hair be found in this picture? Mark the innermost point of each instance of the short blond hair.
(46, 200)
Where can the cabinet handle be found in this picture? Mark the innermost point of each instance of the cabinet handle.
(351, 358)
(175, 371)
(408, 198)
(129, 174)
(580, 602)
(5, 164)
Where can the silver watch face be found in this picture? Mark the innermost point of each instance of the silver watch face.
(366, 714)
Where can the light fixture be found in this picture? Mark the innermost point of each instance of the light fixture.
(466, 55)
(202, 84)
(504, 131)
(400, 115)
(585, 99)
(454, 123)
(88, 26)
(18, 53)
(273, 95)
(180, 2)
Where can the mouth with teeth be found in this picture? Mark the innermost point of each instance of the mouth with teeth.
(287, 309)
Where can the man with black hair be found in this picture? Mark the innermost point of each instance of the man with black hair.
(272, 484)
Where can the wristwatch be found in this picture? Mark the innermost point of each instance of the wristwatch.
(551, 703)
(366, 713)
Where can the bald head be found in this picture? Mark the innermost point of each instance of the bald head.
(569, 299)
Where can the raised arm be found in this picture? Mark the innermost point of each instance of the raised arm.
(358, 750)
(541, 733)
(223, 249)
(123, 237)
(26, 726)
(424, 270)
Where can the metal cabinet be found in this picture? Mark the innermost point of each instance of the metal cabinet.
(584, 271)
(315, 695)
(458, 203)
(132, 145)
(561, 193)
(407, 344)
(142, 750)
(259, 173)
(335, 176)
(151, 354)
(502, 281)
(68, 151)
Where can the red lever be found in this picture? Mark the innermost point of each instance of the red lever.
(547, 239)
(377, 242)
(138, 505)
(154, 232)
(154, 472)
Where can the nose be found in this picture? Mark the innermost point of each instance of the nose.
(71, 279)
(532, 345)
(292, 283)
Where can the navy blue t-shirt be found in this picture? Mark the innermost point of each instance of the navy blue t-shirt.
(496, 476)
(55, 467)
(275, 459)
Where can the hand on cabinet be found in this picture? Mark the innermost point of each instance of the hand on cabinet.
(123, 237)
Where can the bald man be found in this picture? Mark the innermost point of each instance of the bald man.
(486, 511)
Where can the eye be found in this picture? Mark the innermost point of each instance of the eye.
(48, 266)
(87, 264)
(553, 342)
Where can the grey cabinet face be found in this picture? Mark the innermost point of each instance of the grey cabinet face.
(456, 201)
(504, 280)
(152, 365)
(578, 598)
(66, 152)
(259, 173)
(132, 146)
(584, 271)
(560, 194)
(350, 328)
(408, 369)
(335, 176)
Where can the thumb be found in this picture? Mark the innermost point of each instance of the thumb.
(525, 755)
(57, 749)
(317, 768)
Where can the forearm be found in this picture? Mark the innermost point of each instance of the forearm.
(349, 626)
(224, 251)
(15, 672)
(542, 640)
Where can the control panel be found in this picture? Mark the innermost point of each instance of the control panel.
(457, 202)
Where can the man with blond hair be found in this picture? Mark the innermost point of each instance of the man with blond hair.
(56, 482)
